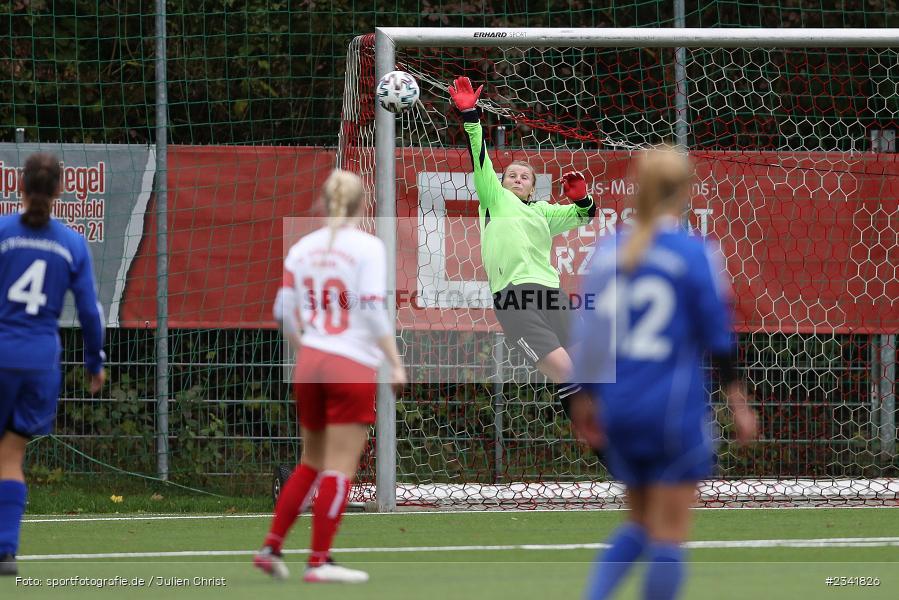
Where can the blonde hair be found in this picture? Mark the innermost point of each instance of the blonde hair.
(663, 174)
(343, 193)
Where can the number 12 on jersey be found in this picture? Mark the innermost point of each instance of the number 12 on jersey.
(644, 339)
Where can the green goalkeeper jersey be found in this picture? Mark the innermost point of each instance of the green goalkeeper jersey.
(516, 236)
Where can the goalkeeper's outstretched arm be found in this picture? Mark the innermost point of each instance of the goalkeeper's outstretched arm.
(465, 99)
(562, 217)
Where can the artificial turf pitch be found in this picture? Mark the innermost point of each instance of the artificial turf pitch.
(430, 556)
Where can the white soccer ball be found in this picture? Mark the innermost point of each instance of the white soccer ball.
(397, 91)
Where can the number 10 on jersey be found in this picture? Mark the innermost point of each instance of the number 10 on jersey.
(328, 308)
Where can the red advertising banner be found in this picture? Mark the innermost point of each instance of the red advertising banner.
(226, 206)
(809, 238)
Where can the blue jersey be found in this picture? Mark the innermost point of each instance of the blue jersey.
(641, 348)
(37, 267)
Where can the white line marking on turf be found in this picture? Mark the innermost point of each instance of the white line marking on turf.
(143, 518)
(173, 517)
(799, 543)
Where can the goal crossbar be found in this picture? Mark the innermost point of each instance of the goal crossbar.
(640, 37)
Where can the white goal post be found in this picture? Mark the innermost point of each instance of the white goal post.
(757, 144)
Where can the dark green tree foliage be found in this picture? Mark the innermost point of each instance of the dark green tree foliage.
(77, 71)
(272, 71)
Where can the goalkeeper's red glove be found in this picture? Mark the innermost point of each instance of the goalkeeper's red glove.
(464, 96)
(574, 185)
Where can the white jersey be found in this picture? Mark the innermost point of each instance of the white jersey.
(340, 292)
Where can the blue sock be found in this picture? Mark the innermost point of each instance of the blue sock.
(665, 573)
(12, 507)
(626, 544)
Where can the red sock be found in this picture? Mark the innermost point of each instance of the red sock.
(333, 491)
(295, 496)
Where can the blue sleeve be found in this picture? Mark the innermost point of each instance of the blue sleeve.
(711, 303)
(90, 313)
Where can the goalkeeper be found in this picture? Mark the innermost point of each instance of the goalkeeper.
(516, 239)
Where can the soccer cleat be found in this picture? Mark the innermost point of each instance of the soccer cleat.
(334, 573)
(270, 562)
(8, 565)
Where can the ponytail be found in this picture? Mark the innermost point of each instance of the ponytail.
(40, 186)
(38, 213)
(636, 245)
(343, 194)
(663, 177)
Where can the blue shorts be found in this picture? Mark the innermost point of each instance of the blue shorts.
(28, 401)
(692, 460)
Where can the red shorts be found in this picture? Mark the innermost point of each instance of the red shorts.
(332, 389)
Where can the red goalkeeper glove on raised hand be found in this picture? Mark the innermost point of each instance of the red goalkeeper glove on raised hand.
(464, 96)
(574, 185)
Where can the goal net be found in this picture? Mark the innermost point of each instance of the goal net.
(798, 180)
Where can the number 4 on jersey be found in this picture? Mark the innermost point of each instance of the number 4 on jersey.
(28, 289)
